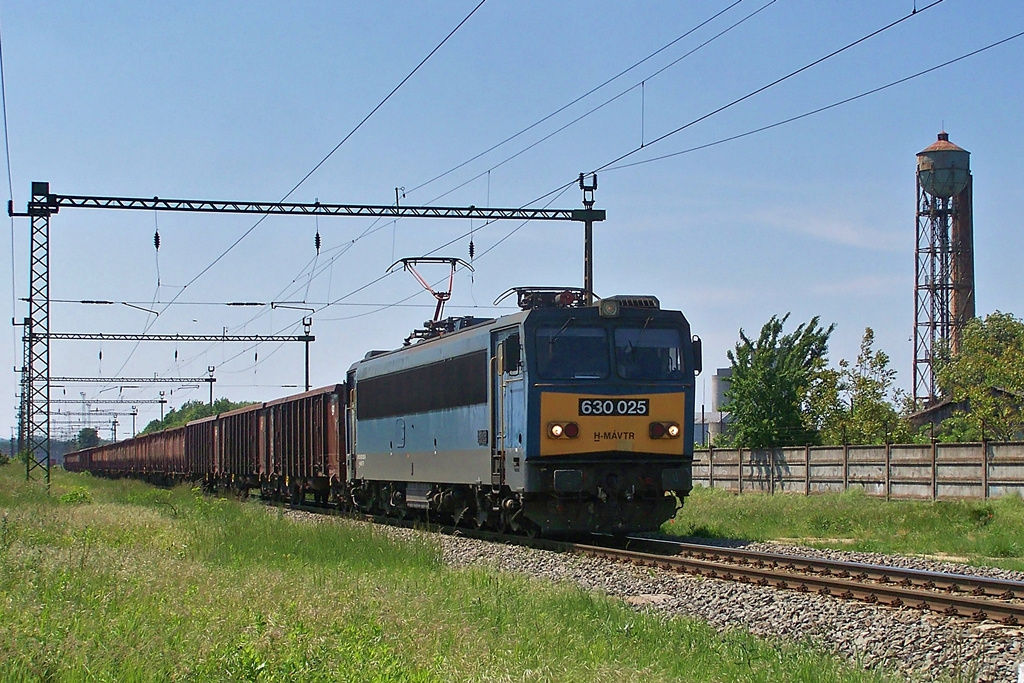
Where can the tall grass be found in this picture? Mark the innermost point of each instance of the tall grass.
(117, 581)
(981, 532)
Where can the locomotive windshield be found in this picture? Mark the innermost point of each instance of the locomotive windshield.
(581, 352)
(569, 352)
(647, 353)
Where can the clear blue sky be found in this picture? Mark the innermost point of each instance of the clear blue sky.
(239, 100)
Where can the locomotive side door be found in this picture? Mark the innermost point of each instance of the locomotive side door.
(508, 407)
(350, 426)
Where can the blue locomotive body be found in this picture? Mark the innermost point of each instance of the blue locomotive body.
(560, 418)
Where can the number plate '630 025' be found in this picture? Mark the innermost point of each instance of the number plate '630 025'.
(615, 406)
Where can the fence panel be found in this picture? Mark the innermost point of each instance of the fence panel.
(937, 471)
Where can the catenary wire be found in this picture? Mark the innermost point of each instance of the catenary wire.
(336, 147)
(665, 136)
(318, 165)
(373, 227)
(711, 144)
(819, 110)
(418, 292)
(578, 99)
(763, 88)
(10, 196)
(716, 111)
(607, 102)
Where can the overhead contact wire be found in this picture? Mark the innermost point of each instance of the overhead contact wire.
(791, 74)
(819, 110)
(578, 99)
(10, 196)
(318, 165)
(604, 104)
(336, 147)
(372, 228)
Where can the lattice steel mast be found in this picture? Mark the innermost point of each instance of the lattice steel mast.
(36, 396)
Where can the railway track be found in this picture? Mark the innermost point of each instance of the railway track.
(961, 595)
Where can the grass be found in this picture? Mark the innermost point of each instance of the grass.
(118, 581)
(980, 532)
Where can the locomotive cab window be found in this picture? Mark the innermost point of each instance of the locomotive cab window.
(569, 352)
(648, 353)
(511, 355)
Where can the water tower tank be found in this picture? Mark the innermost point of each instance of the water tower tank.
(943, 168)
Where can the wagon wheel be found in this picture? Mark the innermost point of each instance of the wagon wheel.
(502, 524)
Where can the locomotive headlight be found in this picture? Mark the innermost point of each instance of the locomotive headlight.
(663, 430)
(563, 430)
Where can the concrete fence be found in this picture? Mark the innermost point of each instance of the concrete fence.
(901, 472)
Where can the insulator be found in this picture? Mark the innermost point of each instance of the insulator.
(175, 355)
(472, 249)
(101, 354)
(317, 241)
(255, 357)
(156, 240)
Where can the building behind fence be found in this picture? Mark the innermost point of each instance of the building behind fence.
(900, 472)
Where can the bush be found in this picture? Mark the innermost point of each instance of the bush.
(76, 496)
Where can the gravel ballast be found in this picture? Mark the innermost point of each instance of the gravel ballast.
(904, 643)
(919, 646)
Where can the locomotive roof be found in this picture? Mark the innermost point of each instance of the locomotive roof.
(467, 334)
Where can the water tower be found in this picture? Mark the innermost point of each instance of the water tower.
(944, 267)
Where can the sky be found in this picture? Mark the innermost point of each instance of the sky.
(241, 100)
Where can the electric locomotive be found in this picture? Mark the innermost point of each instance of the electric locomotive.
(560, 418)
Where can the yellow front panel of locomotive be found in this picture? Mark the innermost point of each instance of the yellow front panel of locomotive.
(616, 432)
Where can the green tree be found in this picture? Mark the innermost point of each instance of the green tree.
(87, 437)
(987, 375)
(192, 410)
(773, 379)
(873, 417)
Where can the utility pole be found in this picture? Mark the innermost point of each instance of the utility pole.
(306, 324)
(589, 215)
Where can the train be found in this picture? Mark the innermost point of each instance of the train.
(564, 417)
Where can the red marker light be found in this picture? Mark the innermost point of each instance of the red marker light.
(657, 430)
(572, 430)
